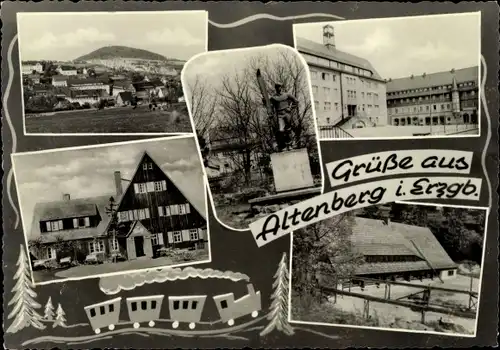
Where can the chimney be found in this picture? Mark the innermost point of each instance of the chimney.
(452, 70)
(66, 197)
(118, 183)
(412, 76)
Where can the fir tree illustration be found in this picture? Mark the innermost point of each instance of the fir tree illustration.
(278, 316)
(49, 310)
(60, 319)
(24, 310)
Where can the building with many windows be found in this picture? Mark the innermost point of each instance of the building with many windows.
(442, 98)
(348, 92)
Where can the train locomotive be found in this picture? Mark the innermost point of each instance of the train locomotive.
(182, 309)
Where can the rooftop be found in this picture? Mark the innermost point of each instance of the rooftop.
(79, 207)
(434, 79)
(320, 50)
(375, 237)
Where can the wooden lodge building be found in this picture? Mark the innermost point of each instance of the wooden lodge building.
(395, 251)
(151, 213)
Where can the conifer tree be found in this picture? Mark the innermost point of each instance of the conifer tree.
(60, 320)
(24, 310)
(278, 316)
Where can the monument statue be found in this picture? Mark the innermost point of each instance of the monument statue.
(279, 107)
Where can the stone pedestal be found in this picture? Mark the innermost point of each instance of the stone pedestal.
(291, 170)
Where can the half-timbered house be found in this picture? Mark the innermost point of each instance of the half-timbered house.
(151, 213)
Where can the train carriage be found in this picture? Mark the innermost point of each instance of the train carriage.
(144, 309)
(230, 309)
(104, 314)
(186, 309)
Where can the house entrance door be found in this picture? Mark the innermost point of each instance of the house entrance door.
(139, 246)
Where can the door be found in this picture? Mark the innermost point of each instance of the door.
(139, 246)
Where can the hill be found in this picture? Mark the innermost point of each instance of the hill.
(109, 52)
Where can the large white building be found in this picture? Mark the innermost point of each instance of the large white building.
(348, 92)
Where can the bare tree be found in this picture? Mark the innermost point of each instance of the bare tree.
(238, 115)
(203, 103)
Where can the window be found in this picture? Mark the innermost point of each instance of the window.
(316, 105)
(114, 245)
(193, 234)
(327, 106)
(315, 89)
(362, 94)
(427, 108)
(111, 308)
(182, 209)
(326, 91)
(167, 211)
(96, 246)
(442, 107)
(54, 225)
(176, 304)
(150, 165)
(145, 166)
(102, 310)
(92, 313)
(133, 306)
(157, 239)
(336, 106)
(194, 305)
(434, 107)
(448, 106)
(50, 253)
(140, 188)
(123, 216)
(185, 304)
(314, 74)
(223, 304)
(174, 209)
(324, 76)
(334, 77)
(328, 120)
(144, 305)
(177, 236)
(336, 91)
(153, 304)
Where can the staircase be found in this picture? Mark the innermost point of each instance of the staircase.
(333, 132)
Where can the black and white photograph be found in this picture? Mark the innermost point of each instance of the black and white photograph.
(395, 78)
(107, 72)
(399, 266)
(115, 208)
(252, 113)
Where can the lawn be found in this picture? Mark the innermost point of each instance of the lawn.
(112, 120)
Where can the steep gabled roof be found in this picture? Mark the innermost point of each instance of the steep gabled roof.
(320, 50)
(374, 237)
(126, 96)
(141, 161)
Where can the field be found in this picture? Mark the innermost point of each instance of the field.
(112, 120)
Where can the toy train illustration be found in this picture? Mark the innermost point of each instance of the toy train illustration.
(182, 309)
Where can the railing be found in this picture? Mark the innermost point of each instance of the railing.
(333, 132)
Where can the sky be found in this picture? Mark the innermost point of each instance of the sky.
(67, 36)
(400, 47)
(210, 67)
(89, 172)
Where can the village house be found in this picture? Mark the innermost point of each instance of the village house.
(59, 80)
(88, 84)
(34, 78)
(86, 96)
(41, 90)
(145, 89)
(122, 86)
(395, 251)
(152, 213)
(124, 98)
(66, 70)
(28, 67)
